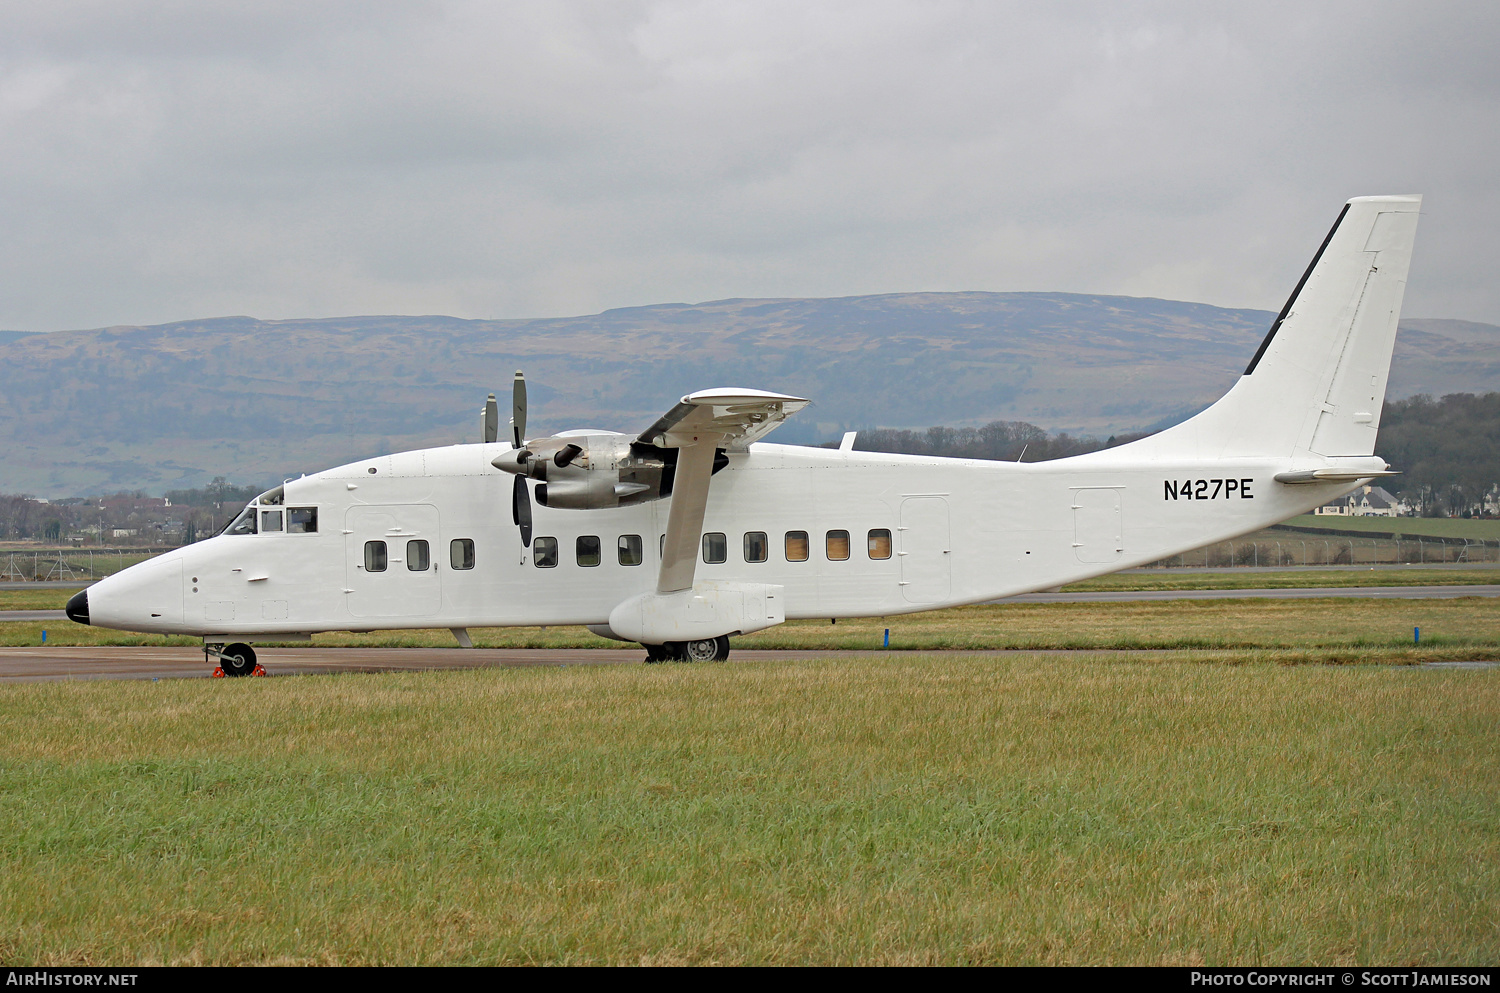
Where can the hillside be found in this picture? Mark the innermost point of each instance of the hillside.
(173, 405)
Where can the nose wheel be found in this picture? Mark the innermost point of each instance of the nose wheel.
(234, 660)
(702, 650)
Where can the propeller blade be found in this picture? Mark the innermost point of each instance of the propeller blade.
(518, 410)
(491, 420)
(520, 509)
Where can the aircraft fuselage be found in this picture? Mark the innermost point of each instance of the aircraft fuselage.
(919, 533)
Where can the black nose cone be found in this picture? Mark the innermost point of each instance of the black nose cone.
(78, 607)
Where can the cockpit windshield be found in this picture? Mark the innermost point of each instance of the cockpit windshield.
(243, 524)
(271, 498)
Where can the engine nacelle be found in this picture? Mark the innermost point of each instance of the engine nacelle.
(588, 471)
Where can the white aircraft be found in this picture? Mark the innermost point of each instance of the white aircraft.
(695, 530)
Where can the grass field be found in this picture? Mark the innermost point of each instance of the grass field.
(898, 809)
(1409, 527)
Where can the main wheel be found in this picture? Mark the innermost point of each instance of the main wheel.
(237, 660)
(703, 650)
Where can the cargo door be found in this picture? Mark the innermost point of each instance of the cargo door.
(1098, 527)
(926, 556)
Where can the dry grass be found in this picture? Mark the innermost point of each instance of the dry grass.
(1249, 623)
(899, 809)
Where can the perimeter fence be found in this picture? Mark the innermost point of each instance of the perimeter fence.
(70, 564)
(1283, 552)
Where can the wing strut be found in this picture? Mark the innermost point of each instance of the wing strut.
(679, 558)
(699, 425)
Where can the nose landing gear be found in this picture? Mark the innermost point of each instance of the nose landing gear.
(702, 650)
(234, 660)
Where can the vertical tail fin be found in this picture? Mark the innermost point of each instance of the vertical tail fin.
(1316, 385)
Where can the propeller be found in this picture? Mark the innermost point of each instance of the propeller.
(520, 497)
(491, 423)
(520, 509)
(517, 410)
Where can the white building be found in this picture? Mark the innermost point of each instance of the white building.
(1367, 501)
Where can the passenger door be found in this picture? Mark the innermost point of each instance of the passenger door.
(387, 576)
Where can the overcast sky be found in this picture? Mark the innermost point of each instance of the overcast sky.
(161, 161)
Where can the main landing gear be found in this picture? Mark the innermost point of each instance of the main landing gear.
(703, 650)
(234, 660)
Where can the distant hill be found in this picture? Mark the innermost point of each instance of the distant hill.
(172, 405)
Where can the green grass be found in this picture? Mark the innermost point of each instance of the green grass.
(898, 809)
(45, 598)
(1408, 527)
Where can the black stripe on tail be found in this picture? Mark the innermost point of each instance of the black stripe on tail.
(1266, 343)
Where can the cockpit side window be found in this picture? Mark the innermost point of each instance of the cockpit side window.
(243, 524)
(270, 520)
(302, 520)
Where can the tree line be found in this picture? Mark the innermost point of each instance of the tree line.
(1447, 450)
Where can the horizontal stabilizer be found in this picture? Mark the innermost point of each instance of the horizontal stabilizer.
(1329, 476)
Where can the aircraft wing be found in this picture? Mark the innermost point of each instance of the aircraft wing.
(735, 418)
(699, 425)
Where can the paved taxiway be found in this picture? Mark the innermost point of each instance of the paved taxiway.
(44, 664)
(37, 665)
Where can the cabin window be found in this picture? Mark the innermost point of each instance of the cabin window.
(374, 556)
(836, 544)
(544, 553)
(243, 524)
(715, 547)
(757, 546)
(302, 520)
(418, 556)
(270, 520)
(879, 543)
(630, 549)
(461, 553)
(796, 546)
(586, 548)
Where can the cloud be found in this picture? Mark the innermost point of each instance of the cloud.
(172, 160)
